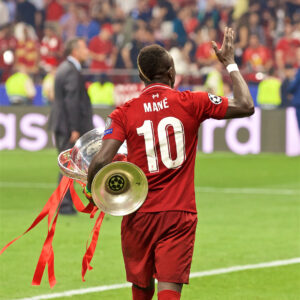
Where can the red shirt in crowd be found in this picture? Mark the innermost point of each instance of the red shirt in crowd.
(50, 50)
(98, 46)
(205, 51)
(7, 48)
(27, 54)
(257, 57)
(190, 25)
(54, 11)
(161, 130)
(5, 45)
(289, 50)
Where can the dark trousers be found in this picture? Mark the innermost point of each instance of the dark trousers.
(63, 143)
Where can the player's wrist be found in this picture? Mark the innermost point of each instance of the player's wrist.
(232, 67)
(227, 61)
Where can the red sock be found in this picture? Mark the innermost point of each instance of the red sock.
(142, 294)
(168, 295)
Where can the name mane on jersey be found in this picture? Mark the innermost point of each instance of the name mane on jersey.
(156, 106)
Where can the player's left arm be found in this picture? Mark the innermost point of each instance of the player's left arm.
(242, 104)
(105, 156)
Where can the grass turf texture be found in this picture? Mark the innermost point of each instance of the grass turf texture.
(233, 229)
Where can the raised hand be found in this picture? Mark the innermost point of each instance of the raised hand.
(226, 53)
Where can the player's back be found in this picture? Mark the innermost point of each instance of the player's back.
(161, 129)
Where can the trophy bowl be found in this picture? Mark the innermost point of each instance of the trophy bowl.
(119, 188)
(74, 163)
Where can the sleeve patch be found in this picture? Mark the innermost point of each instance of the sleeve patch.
(214, 99)
(108, 131)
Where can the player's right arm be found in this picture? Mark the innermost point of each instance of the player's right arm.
(242, 104)
(104, 156)
(114, 136)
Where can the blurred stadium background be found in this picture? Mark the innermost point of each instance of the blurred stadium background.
(247, 173)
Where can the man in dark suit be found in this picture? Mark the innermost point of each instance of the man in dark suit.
(71, 114)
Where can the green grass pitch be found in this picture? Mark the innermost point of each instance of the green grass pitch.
(259, 223)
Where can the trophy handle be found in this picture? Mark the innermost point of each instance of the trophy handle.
(68, 167)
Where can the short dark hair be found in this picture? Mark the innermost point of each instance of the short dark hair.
(153, 62)
(71, 44)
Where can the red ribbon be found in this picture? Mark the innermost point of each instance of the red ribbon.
(45, 211)
(51, 208)
(77, 201)
(91, 209)
(88, 256)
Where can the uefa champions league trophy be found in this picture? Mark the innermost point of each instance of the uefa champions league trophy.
(119, 188)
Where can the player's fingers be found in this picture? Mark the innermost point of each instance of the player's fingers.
(223, 43)
(231, 35)
(215, 47)
(227, 37)
(226, 34)
(232, 38)
(230, 41)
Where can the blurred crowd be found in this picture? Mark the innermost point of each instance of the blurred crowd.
(267, 43)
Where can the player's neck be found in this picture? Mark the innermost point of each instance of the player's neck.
(161, 81)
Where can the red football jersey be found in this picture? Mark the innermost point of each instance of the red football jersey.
(99, 46)
(161, 130)
(257, 57)
(289, 50)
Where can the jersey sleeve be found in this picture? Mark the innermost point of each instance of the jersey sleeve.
(115, 128)
(207, 105)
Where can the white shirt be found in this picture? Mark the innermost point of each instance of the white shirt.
(75, 62)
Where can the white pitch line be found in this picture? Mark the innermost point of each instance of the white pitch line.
(229, 190)
(71, 293)
(276, 263)
(103, 288)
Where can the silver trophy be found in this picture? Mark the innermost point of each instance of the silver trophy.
(118, 189)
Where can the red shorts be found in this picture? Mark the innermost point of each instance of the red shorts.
(158, 245)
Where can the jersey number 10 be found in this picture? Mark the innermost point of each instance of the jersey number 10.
(147, 131)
